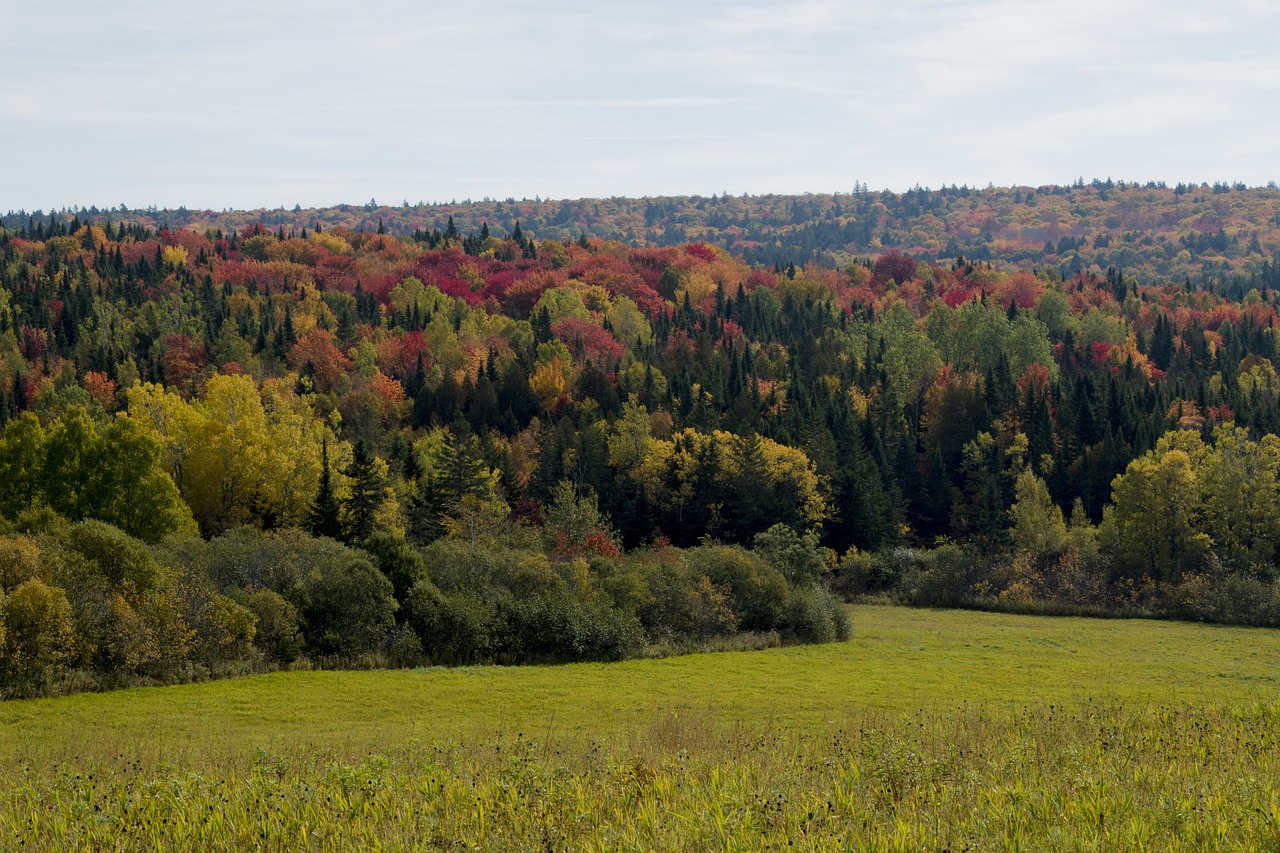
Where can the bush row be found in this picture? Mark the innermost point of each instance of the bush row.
(85, 605)
(1078, 581)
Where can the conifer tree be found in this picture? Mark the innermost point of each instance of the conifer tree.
(361, 506)
(326, 512)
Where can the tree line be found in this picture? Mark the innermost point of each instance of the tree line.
(606, 425)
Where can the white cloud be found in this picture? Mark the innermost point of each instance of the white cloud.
(336, 102)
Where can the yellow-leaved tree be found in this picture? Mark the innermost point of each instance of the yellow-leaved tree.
(240, 454)
(1155, 520)
(717, 482)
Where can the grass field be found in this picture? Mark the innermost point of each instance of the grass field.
(930, 730)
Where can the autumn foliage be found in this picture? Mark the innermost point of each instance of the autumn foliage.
(550, 407)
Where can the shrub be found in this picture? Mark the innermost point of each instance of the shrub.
(857, 574)
(681, 603)
(943, 577)
(119, 557)
(225, 630)
(556, 626)
(797, 557)
(757, 590)
(276, 636)
(403, 648)
(458, 629)
(247, 558)
(347, 605)
(1230, 598)
(39, 632)
(19, 561)
(814, 615)
(396, 558)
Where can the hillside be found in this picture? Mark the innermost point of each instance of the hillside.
(1216, 236)
(551, 449)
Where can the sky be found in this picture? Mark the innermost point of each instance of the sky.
(248, 104)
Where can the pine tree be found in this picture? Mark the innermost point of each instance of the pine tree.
(361, 506)
(325, 513)
(462, 470)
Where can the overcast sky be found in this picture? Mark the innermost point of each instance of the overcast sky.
(251, 104)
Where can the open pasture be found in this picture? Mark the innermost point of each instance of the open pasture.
(930, 730)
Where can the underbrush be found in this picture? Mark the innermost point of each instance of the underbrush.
(1075, 582)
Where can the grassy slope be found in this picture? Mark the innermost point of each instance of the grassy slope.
(899, 659)
(930, 729)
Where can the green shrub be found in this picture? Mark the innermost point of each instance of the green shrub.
(758, 591)
(403, 647)
(943, 577)
(347, 606)
(396, 558)
(19, 561)
(457, 629)
(118, 556)
(814, 615)
(556, 626)
(39, 637)
(277, 635)
(798, 557)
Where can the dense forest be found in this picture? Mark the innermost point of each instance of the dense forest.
(551, 435)
(1220, 237)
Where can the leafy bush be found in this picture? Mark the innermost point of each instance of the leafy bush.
(39, 632)
(403, 647)
(678, 602)
(457, 629)
(346, 604)
(796, 556)
(556, 626)
(247, 558)
(814, 615)
(277, 636)
(758, 591)
(1229, 598)
(19, 561)
(119, 557)
(943, 577)
(398, 560)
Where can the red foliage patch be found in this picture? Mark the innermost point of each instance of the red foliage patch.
(703, 252)
(587, 341)
(895, 265)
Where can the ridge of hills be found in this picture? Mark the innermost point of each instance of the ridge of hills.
(1219, 236)
(564, 448)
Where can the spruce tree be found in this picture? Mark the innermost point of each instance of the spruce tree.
(361, 506)
(325, 513)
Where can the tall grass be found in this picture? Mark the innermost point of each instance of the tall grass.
(928, 731)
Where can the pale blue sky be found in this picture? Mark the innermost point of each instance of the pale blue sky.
(250, 104)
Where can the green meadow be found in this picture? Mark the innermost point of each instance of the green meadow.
(929, 730)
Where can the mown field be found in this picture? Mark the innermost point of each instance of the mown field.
(934, 730)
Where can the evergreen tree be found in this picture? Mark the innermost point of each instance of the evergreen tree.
(326, 512)
(361, 506)
(462, 470)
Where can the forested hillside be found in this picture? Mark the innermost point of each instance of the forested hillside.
(1221, 236)
(228, 447)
